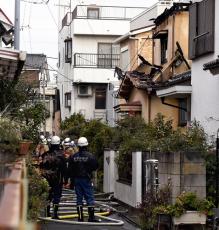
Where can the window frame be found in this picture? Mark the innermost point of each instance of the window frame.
(68, 50)
(92, 9)
(67, 98)
(163, 48)
(107, 60)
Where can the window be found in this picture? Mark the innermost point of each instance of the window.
(183, 116)
(68, 100)
(93, 13)
(108, 55)
(201, 28)
(124, 60)
(84, 90)
(163, 46)
(68, 50)
(100, 98)
(59, 60)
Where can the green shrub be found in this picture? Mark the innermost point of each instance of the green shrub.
(37, 192)
(9, 136)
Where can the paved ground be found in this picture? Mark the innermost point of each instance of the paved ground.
(57, 226)
(48, 225)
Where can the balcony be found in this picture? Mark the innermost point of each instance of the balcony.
(106, 12)
(88, 60)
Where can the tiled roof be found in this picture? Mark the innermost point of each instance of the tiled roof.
(35, 61)
(176, 79)
(211, 65)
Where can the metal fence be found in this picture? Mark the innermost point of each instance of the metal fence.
(105, 61)
(106, 12)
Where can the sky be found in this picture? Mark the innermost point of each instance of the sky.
(39, 22)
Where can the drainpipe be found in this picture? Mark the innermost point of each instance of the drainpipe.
(149, 104)
(174, 106)
(173, 37)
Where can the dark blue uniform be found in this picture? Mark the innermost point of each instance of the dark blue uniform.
(81, 166)
(54, 169)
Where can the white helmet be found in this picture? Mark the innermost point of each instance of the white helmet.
(44, 141)
(72, 143)
(49, 140)
(55, 140)
(67, 141)
(42, 137)
(82, 141)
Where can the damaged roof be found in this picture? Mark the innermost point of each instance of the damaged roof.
(177, 7)
(144, 81)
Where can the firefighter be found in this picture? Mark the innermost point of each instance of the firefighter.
(53, 167)
(81, 166)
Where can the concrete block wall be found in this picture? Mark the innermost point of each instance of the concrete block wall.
(185, 171)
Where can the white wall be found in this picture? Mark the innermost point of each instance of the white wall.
(109, 171)
(131, 194)
(89, 44)
(101, 27)
(93, 75)
(205, 88)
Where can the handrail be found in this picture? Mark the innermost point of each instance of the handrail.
(13, 204)
(96, 60)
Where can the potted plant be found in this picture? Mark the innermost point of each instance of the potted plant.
(188, 209)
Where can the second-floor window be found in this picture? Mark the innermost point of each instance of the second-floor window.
(93, 13)
(68, 50)
(163, 46)
(107, 55)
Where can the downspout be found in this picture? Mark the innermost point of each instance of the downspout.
(174, 106)
(173, 39)
(149, 107)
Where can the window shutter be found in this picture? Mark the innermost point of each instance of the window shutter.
(201, 28)
(192, 30)
(210, 25)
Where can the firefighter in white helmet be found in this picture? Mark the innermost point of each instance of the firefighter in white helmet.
(81, 166)
(54, 169)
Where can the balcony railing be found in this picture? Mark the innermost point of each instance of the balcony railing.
(104, 61)
(107, 12)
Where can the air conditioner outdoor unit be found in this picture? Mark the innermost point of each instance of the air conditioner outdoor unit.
(84, 90)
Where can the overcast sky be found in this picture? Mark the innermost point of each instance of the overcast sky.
(38, 21)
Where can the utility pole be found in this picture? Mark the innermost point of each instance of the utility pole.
(43, 85)
(17, 25)
(44, 103)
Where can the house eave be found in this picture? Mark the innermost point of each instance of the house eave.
(11, 63)
(177, 91)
